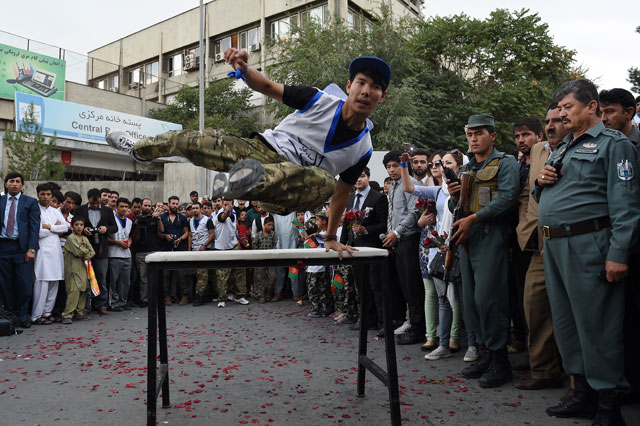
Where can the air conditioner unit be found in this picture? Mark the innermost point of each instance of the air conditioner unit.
(254, 47)
(134, 85)
(219, 57)
(113, 89)
(191, 62)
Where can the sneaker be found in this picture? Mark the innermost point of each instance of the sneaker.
(220, 183)
(402, 329)
(338, 317)
(315, 315)
(242, 301)
(231, 298)
(221, 304)
(119, 140)
(243, 177)
(440, 352)
(472, 354)
(67, 321)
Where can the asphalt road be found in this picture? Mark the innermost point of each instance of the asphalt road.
(257, 364)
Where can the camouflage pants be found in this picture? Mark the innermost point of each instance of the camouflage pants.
(288, 187)
(205, 281)
(234, 279)
(347, 298)
(263, 281)
(319, 291)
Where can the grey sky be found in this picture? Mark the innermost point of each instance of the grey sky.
(602, 33)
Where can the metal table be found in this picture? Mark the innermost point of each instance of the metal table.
(158, 377)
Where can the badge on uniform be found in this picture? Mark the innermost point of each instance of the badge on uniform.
(590, 145)
(625, 170)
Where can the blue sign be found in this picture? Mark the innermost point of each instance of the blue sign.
(85, 123)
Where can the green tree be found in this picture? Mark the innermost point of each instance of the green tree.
(29, 153)
(506, 65)
(634, 74)
(225, 108)
(443, 70)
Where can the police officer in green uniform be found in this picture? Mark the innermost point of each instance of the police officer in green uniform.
(589, 217)
(484, 232)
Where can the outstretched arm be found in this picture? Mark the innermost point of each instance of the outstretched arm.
(238, 59)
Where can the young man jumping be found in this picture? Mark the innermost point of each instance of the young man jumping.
(291, 167)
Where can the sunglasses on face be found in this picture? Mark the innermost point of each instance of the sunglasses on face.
(434, 164)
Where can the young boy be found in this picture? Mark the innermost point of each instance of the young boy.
(319, 277)
(291, 167)
(264, 278)
(77, 249)
(226, 239)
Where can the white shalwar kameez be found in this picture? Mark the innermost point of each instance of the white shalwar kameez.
(49, 263)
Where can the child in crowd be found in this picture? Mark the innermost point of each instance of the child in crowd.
(264, 278)
(319, 277)
(77, 249)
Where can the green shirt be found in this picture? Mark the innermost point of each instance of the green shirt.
(598, 180)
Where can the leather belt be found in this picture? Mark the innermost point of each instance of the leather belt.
(579, 228)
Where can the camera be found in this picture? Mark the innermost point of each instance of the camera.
(557, 165)
(176, 243)
(408, 148)
(95, 235)
(450, 174)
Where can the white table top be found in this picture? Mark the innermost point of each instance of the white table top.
(222, 255)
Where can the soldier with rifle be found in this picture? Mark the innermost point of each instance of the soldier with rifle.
(483, 243)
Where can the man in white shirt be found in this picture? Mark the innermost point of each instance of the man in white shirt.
(227, 239)
(120, 258)
(49, 262)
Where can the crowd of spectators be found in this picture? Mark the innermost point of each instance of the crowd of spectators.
(115, 234)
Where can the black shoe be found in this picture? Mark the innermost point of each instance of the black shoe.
(127, 308)
(582, 403)
(116, 309)
(608, 413)
(380, 333)
(199, 301)
(143, 304)
(499, 371)
(410, 337)
(24, 324)
(477, 369)
(243, 177)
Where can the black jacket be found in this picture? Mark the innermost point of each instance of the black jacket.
(375, 224)
(108, 219)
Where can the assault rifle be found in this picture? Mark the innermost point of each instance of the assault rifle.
(459, 212)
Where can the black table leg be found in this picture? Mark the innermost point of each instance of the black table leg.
(362, 345)
(390, 349)
(152, 344)
(162, 340)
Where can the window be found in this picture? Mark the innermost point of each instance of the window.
(113, 83)
(99, 84)
(353, 20)
(174, 65)
(282, 27)
(135, 77)
(151, 73)
(253, 37)
(242, 41)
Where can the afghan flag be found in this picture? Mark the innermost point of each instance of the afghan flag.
(293, 273)
(297, 224)
(311, 243)
(337, 283)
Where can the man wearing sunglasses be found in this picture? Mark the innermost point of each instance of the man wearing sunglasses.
(484, 256)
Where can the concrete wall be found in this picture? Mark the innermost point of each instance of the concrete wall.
(180, 179)
(87, 95)
(126, 189)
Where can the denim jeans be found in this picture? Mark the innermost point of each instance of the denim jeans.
(449, 314)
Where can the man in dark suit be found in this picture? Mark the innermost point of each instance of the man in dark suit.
(100, 221)
(19, 227)
(367, 234)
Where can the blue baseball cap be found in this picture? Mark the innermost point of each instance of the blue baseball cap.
(371, 63)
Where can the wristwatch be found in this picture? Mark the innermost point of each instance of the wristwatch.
(33, 251)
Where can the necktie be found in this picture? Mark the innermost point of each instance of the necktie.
(392, 191)
(11, 220)
(356, 206)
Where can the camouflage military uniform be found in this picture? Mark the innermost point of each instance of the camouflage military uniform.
(288, 187)
(205, 281)
(346, 299)
(319, 291)
(235, 279)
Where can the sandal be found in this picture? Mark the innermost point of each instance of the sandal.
(42, 321)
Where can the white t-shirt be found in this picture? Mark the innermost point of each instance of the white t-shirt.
(226, 232)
